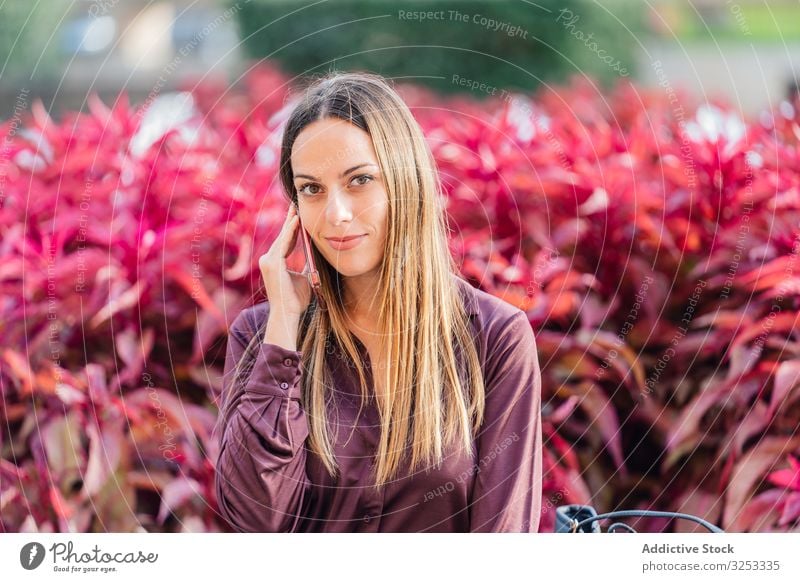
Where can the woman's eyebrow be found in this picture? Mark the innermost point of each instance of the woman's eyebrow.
(342, 175)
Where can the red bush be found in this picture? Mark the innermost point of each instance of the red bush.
(652, 243)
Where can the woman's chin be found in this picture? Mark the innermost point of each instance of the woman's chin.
(347, 268)
(348, 272)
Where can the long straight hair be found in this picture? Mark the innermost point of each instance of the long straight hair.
(432, 400)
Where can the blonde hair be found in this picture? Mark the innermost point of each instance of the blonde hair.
(429, 405)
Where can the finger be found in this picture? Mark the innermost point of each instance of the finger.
(279, 244)
(288, 218)
(289, 237)
(289, 215)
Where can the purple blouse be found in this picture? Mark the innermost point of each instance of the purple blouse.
(267, 480)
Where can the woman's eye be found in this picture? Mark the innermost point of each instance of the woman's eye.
(302, 189)
(367, 176)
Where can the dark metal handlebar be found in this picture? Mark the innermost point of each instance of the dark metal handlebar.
(584, 519)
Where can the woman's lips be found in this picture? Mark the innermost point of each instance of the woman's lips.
(346, 244)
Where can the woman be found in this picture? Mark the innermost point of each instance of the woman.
(406, 400)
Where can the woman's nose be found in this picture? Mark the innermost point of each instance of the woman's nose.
(339, 207)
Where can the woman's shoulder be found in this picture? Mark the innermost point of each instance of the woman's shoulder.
(491, 312)
(506, 344)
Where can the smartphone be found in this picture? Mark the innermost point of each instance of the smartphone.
(313, 273)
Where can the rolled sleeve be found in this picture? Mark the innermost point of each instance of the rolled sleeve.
(276, 372)
(261, 482)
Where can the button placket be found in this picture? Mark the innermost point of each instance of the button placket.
(373, 501)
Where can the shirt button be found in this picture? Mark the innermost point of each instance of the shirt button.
(288, 362)
(284, 385)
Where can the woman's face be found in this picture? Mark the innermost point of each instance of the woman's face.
(341, 193)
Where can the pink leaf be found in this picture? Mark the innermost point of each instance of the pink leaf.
(602, 414)
(197, 291)
(787, 379)
(749, 472)
(98, 387)
(209, 327)
(244, 262)
(133, 349)
(19, 366)
(126, 300)
(788, 478)
(105, 448)
(564, 410)
(175, 494)
(686, 425)
(757, 514)
(791, 509)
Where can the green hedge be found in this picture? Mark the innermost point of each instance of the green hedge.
(505, 44)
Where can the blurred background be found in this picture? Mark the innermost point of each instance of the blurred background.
(744, 51)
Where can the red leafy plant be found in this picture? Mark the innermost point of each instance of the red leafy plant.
(651, 241)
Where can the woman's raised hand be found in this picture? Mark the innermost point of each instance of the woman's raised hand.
(289, 292)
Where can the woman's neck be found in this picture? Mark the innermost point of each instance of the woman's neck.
(361, 299)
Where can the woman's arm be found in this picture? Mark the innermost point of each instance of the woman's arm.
(261, 482)
(507, 492)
